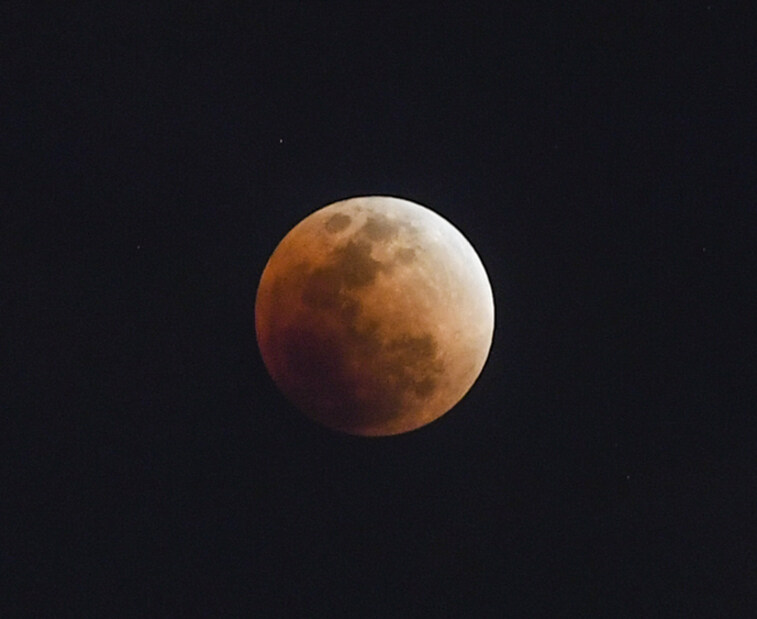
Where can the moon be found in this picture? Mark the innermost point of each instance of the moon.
(374, 316)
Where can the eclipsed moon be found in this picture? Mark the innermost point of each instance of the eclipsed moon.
(374, 316)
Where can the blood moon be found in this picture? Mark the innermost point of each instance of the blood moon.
(374, 316)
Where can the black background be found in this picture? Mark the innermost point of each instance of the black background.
(601, 161)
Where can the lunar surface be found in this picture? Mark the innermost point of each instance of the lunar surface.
(374, 316)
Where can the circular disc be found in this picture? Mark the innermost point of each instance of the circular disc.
(374, 316)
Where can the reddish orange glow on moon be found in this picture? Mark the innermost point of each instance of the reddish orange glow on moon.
(374, 316)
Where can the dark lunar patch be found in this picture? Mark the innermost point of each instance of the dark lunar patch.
(414, 348)
(405, 255)
(424, 387)
(380, 228)
(338, 222)
(413, 363)
(351, 267)
(321, 288)
(365, 336)
(355, 265)
(322, 291)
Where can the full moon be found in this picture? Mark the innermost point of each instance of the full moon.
(374, 316)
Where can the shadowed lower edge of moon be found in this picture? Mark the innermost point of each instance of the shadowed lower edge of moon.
(332, 381)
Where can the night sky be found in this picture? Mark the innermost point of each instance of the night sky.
(601, 162)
